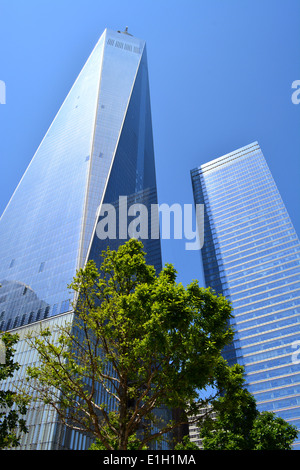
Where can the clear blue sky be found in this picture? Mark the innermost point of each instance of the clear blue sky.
(220, 78)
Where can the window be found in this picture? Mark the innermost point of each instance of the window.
(38, 314)
(30, 317)
(46, 313)
(12, 263)
(54, 309)
(42, 265)
(64, 306)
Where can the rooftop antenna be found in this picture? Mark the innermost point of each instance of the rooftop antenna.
(125, 32)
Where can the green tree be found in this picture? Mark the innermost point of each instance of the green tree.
(186, 444)
(134, 443)
(146, 340)
(238, 425)
(272, 433)
(12, 404)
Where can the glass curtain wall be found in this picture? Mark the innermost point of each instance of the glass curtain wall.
(251, 254)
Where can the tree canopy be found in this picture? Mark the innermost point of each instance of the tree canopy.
(13, 406)
(238, 425)
(143, 339)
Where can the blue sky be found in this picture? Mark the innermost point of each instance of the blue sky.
(221, 74)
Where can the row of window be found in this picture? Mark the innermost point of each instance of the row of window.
(261, 356)
(263, 259)
(34, 316)
(243, 201)
(286, 294)
(278, 393)
(265, 337)
(268, 290)
(276, 382)
(278, 261)
(251, 217)
(245, 230)
(244, 192)
(276, 256)
(269, 365)
(245, 166)
(226, 191)
(264, 310)
(41, 266)
(122, 45)
(257, 230)
(275, 341)
(277, 240)
(263, 324)
(261, 239)
(240, 153)
(264, 277)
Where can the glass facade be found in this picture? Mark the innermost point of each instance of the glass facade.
(98, 148)
(251, 255)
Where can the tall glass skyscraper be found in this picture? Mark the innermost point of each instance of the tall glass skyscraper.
(99, 147)
(251, 255)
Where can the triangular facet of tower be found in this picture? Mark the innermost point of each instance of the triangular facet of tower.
(132, 172)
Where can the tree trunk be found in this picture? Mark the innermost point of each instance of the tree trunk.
(123, 410)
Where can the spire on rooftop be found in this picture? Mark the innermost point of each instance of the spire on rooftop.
(125, 31)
